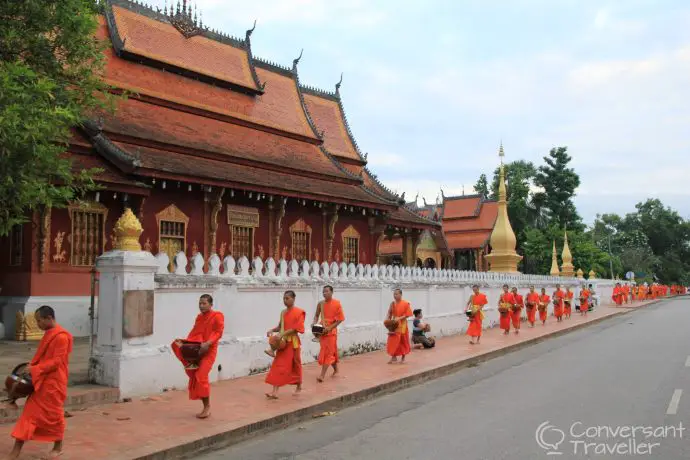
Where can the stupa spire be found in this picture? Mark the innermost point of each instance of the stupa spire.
(503, 257)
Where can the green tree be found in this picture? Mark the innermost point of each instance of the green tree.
(49, 81)
(559, 183)
(482, 186)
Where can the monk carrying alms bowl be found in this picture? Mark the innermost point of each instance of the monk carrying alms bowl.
(391, 325)
(504, 308)
(276, 343)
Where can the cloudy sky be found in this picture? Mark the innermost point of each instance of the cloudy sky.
(432, 86)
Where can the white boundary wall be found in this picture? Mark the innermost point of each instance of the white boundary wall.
(252, 303)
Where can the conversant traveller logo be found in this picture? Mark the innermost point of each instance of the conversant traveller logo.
(590, 441)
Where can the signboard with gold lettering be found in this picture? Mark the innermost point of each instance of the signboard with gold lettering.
(243, 216)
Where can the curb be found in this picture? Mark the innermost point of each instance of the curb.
(234, 436)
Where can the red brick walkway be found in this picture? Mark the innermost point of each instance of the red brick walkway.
(147, 426)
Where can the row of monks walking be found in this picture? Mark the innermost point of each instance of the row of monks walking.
(511, 305)
(43, 419)
(623, 294)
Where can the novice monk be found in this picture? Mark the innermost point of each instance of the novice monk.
(506, 300)
(543, 306)
(532, 303)
(584, 301)
(43, 417)
(558, 298)
(568, 300)
(286, 368)
(617, 296)
(330, 313)
(208, 329)
(475, 304)
(516, 311)
(399, 341)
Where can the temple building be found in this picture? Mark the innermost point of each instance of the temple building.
(467, 223)
(215, 151)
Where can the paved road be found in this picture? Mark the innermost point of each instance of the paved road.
(623, 372)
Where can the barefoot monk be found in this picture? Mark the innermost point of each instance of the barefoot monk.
(476, 316)
(399, 340)
(43, 417)
(286, 368)
(208, 330)
(330, 312)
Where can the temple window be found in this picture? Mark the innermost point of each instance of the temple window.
(88, 233)
(243, 223)
(301, 240)
(350, 246)
(172, 232)
(16, 243)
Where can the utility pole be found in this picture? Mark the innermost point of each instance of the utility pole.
(610, 255)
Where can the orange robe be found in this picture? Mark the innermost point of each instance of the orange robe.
(558, 297)
(568, 307)
(504, 321)
(515, 314)
(331, 311)
(43, 417)
(617, 295)
(545, 299)
(584, 300)
(532, 302)
(626, 293)
(286, 368)
(208, 327)
(475, 328)
(399, 341)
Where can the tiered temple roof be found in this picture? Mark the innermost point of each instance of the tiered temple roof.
(202, 109)
(468, 221)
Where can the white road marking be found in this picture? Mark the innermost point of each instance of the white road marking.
(673, 405)
(687, 362)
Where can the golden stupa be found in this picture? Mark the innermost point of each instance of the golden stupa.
(503, 257)
(567, 269)
(554, 262)
(127, 231)
(580, 274)
(592, 274)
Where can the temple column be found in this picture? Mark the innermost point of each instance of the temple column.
(415, 238)
(376, 229)
(330, 219)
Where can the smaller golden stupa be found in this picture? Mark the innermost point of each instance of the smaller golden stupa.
(592, 274)
(554, 262)
(580, 274)
(127, 231)
(503, 257)
(567, 269)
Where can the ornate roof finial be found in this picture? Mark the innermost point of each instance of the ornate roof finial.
(165, 9)
(127, 231)
(442, 194)
(463, 189)
(424, 200)
(337, 85)
(184, 20)
(296, 61)
(366, 155)
(250, 31)
(501, 153)
(416, 197)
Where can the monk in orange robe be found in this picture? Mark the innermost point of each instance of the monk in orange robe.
(475, 304)
(584, 300)
(558, 303)
(330, 312)
(568, 302)
(505, 303)
(544, 300)
(43, 417)
(642, 293)
(532, 304)
(208, 330)
(399, 341)
(286, 368)
(516, 311)
(617, 296)
(626, 293)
